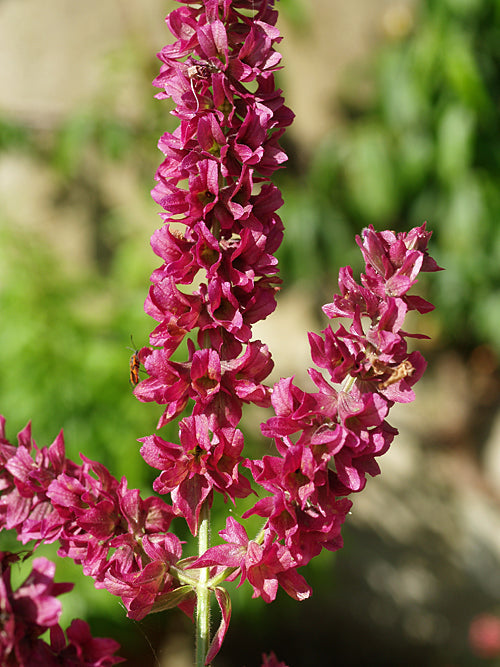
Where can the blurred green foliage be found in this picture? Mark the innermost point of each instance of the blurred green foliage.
(68, 316)
(66, 334)
(418, 140)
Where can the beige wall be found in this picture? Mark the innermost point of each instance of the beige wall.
(57, 55)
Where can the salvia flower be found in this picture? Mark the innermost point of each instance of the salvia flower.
(218, 276)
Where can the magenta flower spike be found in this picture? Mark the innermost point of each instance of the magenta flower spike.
(221, 226)
(221, 230)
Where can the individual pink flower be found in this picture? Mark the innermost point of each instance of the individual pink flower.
(265, 566)
(143, 580)
(205, 461)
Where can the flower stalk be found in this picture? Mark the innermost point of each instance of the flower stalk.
(203, 592)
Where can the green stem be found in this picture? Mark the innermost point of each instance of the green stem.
(202, 591)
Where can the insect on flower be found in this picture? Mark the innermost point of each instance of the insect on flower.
(134, 365)
(197, 72)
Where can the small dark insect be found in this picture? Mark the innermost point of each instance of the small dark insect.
(134, 366)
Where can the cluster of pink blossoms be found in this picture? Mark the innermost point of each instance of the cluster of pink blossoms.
(221, 229)
(27, 612)
(120, 540)
(219, 277)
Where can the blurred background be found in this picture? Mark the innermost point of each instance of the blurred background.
(397, 108)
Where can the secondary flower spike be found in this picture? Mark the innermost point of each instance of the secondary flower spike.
(117, 537)
(328, 441)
